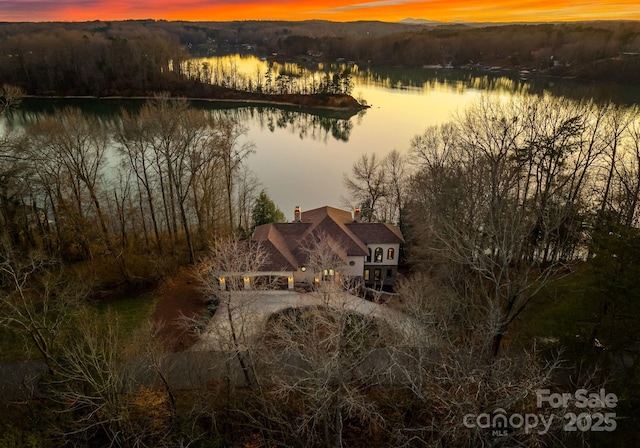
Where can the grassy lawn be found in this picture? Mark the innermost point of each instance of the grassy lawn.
(573, 308)
(563, 317)
(131, 312)
(563, 310)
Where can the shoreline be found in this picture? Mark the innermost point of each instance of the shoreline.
(237, 101)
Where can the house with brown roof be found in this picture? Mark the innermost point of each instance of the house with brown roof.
(327, 242)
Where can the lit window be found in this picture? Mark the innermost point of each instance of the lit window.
(376, 275)
(378, 255)
(328, 274)
(366, 275)
(390, 253)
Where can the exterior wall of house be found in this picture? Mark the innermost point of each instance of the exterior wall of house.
(380, 275)
(379, 272)
(355, 267)
(385, 252)
(261, 279)
(306, 276)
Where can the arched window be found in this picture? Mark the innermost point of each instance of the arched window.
(378, 255)
(369, 256)
(390, 253)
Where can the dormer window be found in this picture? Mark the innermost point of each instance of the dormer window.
(378, 255)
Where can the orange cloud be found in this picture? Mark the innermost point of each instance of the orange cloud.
(386, 10)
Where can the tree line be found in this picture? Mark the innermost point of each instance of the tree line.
(276, 79)
(605, 51)
(134, 59)
(60, 61)
(126, 192)
(134, 192)
(587, 51)
(142, 57)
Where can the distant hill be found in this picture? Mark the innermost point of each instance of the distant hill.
(457, 23)
(425, 22)
(411, 21)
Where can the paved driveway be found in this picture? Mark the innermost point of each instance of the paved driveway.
(250, 310)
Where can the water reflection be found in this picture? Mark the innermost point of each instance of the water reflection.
(245, 71)
(319, 125)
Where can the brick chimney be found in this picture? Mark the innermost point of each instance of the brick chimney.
(356, 214)
(297, 214)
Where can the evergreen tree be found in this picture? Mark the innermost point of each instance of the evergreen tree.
(265, 211)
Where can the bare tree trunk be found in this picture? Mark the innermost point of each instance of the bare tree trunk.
(187, 232)
(143, 219)
(152, 210)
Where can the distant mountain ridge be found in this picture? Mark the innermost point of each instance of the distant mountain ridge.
(412, 21)
(426, 22)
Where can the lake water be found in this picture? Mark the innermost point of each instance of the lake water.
(308, 170)
(300, 158)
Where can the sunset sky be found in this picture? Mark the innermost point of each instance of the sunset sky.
(385, 10)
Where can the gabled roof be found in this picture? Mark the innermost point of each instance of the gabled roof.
(287, 243)
(275, 243)
(376, 232)
(278, 261)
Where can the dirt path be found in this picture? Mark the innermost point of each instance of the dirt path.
(180, 297)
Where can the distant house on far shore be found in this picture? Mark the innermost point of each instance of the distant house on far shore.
(366, 251)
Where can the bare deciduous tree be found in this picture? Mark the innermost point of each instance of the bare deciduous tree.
(394, 166)
(225, 274)
(316, 361)
(69, 154)
(378, 186)
(492, 201)
(450, 381)
(10, 98)
(231, 153)
(367, 184)
(36, 301)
